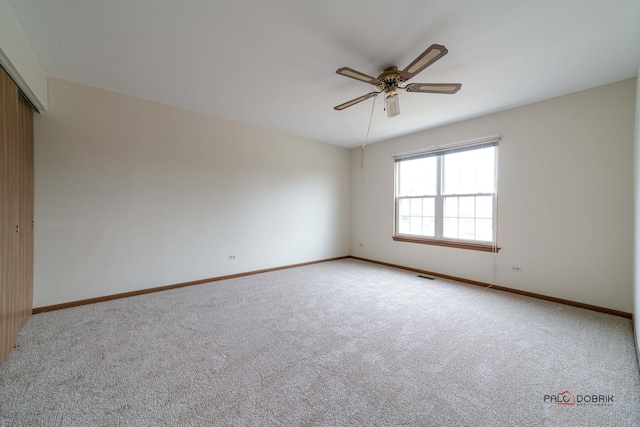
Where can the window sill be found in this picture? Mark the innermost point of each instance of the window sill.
(448, 243)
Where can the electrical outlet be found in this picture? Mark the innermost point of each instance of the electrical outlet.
(232, 257)
(517, 269)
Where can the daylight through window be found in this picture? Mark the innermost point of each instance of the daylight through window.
(447, 195)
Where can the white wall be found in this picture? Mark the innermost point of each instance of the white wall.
(132, 194)
(565, 199)
(20, 61)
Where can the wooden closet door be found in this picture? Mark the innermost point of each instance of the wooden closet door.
(16, 205)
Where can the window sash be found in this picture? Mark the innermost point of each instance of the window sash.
(440, 216)
(401, 216)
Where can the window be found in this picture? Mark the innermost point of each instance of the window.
(447, 195)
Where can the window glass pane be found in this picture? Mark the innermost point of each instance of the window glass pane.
(451, 207)
(429, 206)
(467, 229)
(429, 226)
(450, 228)
(469, 172)
(403, 225)
(416, 207)
(404, 207)
(416, 225)
(484, 230)
(466, 207)
(417, 177)
(484, 207)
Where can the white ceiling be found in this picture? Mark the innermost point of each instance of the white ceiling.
(272, 63)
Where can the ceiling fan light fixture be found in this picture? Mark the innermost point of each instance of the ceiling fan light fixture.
(392, 103)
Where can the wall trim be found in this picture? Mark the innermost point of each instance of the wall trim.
(174, 286)
(505, 289)
(635, 341)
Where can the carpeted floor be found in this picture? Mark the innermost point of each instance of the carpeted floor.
(337, 343)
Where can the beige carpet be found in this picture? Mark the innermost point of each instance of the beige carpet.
(337, 343)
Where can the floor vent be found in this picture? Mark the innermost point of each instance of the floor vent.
(426, 277)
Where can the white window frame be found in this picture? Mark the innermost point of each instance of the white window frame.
(440, 152)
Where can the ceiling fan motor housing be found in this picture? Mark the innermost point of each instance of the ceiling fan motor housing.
(390, 80)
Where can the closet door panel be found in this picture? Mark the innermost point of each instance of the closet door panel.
(25, 213)
(9, 238)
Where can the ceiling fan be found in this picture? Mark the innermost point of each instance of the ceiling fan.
(392, 79)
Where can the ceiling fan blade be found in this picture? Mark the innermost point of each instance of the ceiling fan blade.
(355, 101)
(349, 72)
(447, 88)
(426, 58)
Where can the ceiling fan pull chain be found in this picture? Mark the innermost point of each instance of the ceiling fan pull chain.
(366, 138)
